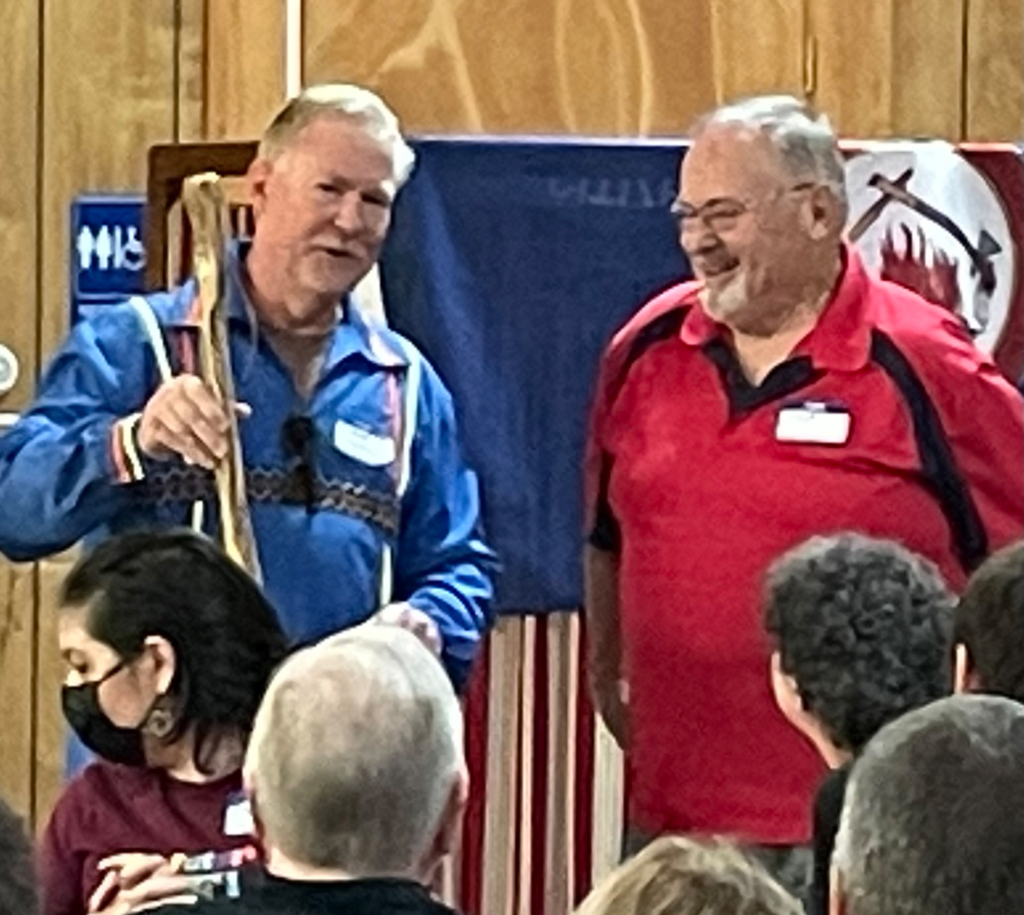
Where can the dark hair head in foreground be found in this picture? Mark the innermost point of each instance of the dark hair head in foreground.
(207, 615)
(863, 627)
(990, 626)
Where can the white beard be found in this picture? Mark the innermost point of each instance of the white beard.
(729, 300)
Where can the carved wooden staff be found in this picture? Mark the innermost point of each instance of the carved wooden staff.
(207, 212)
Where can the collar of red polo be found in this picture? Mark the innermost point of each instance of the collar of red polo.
(841, 337)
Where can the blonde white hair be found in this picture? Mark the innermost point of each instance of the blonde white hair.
(355, 753)
(364, 107)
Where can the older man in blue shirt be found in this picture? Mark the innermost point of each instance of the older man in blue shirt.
(125, 434)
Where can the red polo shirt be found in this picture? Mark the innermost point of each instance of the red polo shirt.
(689, 482)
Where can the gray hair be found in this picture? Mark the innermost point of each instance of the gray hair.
(804, 139)
(341, 99)
(934, 813)
(675, 875)
(355, 752)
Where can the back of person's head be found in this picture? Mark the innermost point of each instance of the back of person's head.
(179, 591)
(679, 876)
(862, 631)
(934, 815)
(990, 626)
(17, 876)
(356, 763)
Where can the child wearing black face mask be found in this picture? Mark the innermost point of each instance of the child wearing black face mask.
(170, 647)
(90, 723)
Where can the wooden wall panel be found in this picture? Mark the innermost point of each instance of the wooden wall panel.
(611, 67)
(19, 68)
(889, 67)
(758, 47)
(108, 76)
(244, 62)
(17, 660)
(19, 71)
(191, 77)
(995, 70)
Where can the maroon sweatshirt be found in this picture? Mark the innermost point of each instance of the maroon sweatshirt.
(110, 808)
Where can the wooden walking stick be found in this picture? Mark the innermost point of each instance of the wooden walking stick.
(207, 211)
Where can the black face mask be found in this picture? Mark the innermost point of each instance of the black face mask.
(83, 712)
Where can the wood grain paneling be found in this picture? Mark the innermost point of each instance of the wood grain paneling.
(108, 77)
(17, 658)
(599, 67)
(190, 76)
(244, 65)
(19, 105)
(995, 70)
(19, 71)
(889, 67)
(758, 47)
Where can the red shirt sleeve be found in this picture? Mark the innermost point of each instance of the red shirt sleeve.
(982, 416)
(600, 528)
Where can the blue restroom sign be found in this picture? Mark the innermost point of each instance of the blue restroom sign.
(108, 259)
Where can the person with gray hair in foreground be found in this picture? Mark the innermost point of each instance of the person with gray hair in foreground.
(357, 780)
(679, 876)
(934, 816)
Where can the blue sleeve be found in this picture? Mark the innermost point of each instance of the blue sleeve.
(443, 566)
(59, 477)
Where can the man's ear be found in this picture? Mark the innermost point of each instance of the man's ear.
(791, 704)
(786, 692)
(256, 178)
(449, 831)
(822, 214)
(965, 680)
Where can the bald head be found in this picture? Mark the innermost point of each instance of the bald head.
(356, 754)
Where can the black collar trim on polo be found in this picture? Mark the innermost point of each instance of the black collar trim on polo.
(938, 465)
(786, 378)
(664, 327)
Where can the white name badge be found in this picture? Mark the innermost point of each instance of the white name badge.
(813, 423)
(238, 817)
(364, 446)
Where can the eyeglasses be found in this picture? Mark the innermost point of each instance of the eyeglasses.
(720, 214)
(297, 438)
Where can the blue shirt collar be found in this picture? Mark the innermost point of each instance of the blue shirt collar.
(354, 334)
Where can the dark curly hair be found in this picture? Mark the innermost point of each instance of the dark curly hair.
(990, 622)
(175, 584)
(864, 627)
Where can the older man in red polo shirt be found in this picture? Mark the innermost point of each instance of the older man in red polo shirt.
(784, 393)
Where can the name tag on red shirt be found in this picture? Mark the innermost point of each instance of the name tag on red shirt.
(813, 422)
